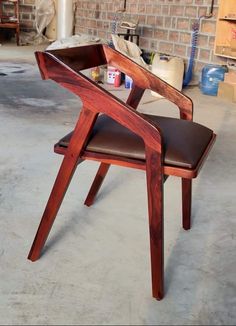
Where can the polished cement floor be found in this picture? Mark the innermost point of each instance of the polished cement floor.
(95, 269)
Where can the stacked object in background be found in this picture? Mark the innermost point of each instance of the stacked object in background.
(227, 88)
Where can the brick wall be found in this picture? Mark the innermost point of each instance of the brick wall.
(164, 25)
(27, 13)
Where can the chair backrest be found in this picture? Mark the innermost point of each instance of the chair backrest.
(64, 66)
(85, 57)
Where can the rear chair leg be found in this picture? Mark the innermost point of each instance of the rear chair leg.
(155, 180)
(186, 202)
(102, 172)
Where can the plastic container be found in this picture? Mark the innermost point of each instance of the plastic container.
(169, 69)
(95, 74)
(111, 74)
(117, 80)
(128, 82)
(210, 78)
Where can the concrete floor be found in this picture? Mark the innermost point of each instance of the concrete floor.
(95, 267)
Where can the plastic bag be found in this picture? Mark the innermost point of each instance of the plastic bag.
(45, 11)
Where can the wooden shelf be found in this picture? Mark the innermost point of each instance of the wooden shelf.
(10, 18)
(226, 18)
(225, 40)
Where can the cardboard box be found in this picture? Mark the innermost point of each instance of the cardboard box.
(230, 77)
(233, 45)
(227, 91)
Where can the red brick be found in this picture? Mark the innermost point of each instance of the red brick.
(208, 27)
(153, 45)
(204, 55)
(167, 22)
(165, 47)
(147, 32)
(176, 10)
(180, 50)
(202, 11)
(185, 38)
(174, 36)
(183, 23)
(144, 43)
(149, 9)
(151, 20)
(165, 10)
(141, 8)
(211, 41)
(174, 22)
(157, 10)
(142, 19)
(161, 34)
(191, 11)
(133, 8)
(159, 21)
(199, 2)
(202, 41)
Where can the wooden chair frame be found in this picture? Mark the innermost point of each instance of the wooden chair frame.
(64, 66)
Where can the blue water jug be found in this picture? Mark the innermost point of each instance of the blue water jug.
(211, 76)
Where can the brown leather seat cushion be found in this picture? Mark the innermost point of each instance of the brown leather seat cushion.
(184, 142)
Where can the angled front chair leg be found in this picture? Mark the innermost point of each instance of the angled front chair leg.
(102, 172)
(65, 174)
(186, 202)
(155, 180)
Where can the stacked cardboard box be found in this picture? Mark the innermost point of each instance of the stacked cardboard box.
(227, 88)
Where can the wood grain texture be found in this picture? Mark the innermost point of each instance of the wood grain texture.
(67, 169)
(155, 180)
(133, 100)
(102, 172)
(146, 80)
(186, 202)
(63, 66)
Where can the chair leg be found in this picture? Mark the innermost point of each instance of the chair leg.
(186, 202)
(62, 182)
(18, 36)
(59, 189)
(155, 180)
(102, 172)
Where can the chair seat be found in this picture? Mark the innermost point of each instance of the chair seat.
(184, 142)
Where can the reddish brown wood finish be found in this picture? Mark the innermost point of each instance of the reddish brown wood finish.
(133, 101)
(186, 202)
(136, 164)
(63, 66)
(68, 166)
(155, 182)
(102, 171)
(146, 80)
(135, 96)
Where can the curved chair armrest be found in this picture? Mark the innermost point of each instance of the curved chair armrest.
(98, 100)
(146, 80)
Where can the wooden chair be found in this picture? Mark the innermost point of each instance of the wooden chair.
(113, 132)
(11, 20)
